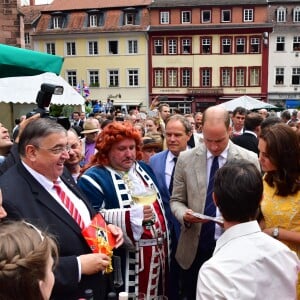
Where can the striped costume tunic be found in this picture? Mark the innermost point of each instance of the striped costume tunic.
(145, 261)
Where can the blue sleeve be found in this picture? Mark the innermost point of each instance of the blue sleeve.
(93, 194)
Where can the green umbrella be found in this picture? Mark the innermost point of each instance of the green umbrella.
(16, 61)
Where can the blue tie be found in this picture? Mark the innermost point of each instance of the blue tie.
(172, 175)
(207, 235)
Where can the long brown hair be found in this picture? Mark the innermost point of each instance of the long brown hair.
(283, 149)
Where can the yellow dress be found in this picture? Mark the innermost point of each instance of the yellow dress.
(283, 212)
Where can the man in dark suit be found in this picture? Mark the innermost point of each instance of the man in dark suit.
(249, 139)
(178, 133)
(28, 193)
(77, 120)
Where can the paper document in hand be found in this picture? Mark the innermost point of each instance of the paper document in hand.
(205, 217)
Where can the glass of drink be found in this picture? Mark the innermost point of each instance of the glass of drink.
(146, 197)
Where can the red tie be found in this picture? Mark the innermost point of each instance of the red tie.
(69, 205)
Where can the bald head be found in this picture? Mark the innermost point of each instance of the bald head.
(216, 129)
(216, 114)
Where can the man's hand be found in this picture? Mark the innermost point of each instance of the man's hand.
(154, 103)
(118, 233)
(148, 213)
(24, 123)
(189, 218)
(93, 263)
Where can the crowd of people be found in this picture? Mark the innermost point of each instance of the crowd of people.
(201, 206)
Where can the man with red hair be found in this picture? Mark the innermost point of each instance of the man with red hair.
(126, 192)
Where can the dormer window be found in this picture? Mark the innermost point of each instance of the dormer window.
(130, 16)
(58, 20)
(95, 18)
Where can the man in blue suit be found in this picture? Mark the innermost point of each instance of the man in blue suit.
(178, 133)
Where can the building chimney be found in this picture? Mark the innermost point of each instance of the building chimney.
(32, 2)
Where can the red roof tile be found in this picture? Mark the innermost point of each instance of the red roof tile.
(57, 5)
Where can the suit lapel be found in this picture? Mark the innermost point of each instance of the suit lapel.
(201, 172)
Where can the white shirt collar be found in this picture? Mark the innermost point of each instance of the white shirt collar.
(44, 181)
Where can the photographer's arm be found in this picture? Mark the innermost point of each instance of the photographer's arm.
(13, 156)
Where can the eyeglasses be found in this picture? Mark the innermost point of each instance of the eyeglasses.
(57, 150)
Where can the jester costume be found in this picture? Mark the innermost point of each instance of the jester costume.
(145, 259)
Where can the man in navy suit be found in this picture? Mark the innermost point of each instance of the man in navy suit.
(249, 139)
(178, 133)
(28, 193)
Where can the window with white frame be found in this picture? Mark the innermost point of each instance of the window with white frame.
(296, 15)
(113, 47)
(93, 20)
(240, 45)
(172, 77)
(226, 45)
(281, 14)
(164, 17)
(280, 43)
(133, 77)
(205, 77)
(296, 76)
(158, 78)
(172, 46)
(132, 46)
(50, 48)
(226, 76)
(186, 45)
(186, 74)
(240, 77)
(254, 74)
(186, 16)
(254, 45)
(72, 78)
(205, 16)
(158, 46)
(248, 15)
(70, 48)
(226, 15)
(94, 78)
(130, 18)
(27, 38)
(296, 43)
(93, 48)
(206, 45)
(279, 76)
(113, 78)
(56, 22)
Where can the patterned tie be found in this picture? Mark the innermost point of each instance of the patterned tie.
(172, 175)
(207, 236)
(69, 205)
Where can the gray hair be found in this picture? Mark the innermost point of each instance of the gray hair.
(37, 130)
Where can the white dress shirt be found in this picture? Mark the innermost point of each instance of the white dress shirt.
(222, 160)
(248, 264)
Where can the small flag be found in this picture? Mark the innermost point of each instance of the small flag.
(86, 90)
(78, 88)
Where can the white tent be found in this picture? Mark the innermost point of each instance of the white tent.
(247, 102)
(24, 89)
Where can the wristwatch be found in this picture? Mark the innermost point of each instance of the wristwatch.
(275, 232)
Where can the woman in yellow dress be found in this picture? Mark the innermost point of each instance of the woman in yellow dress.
(279, 157)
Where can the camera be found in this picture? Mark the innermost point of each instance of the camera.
(43, 100)
(163, 98)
